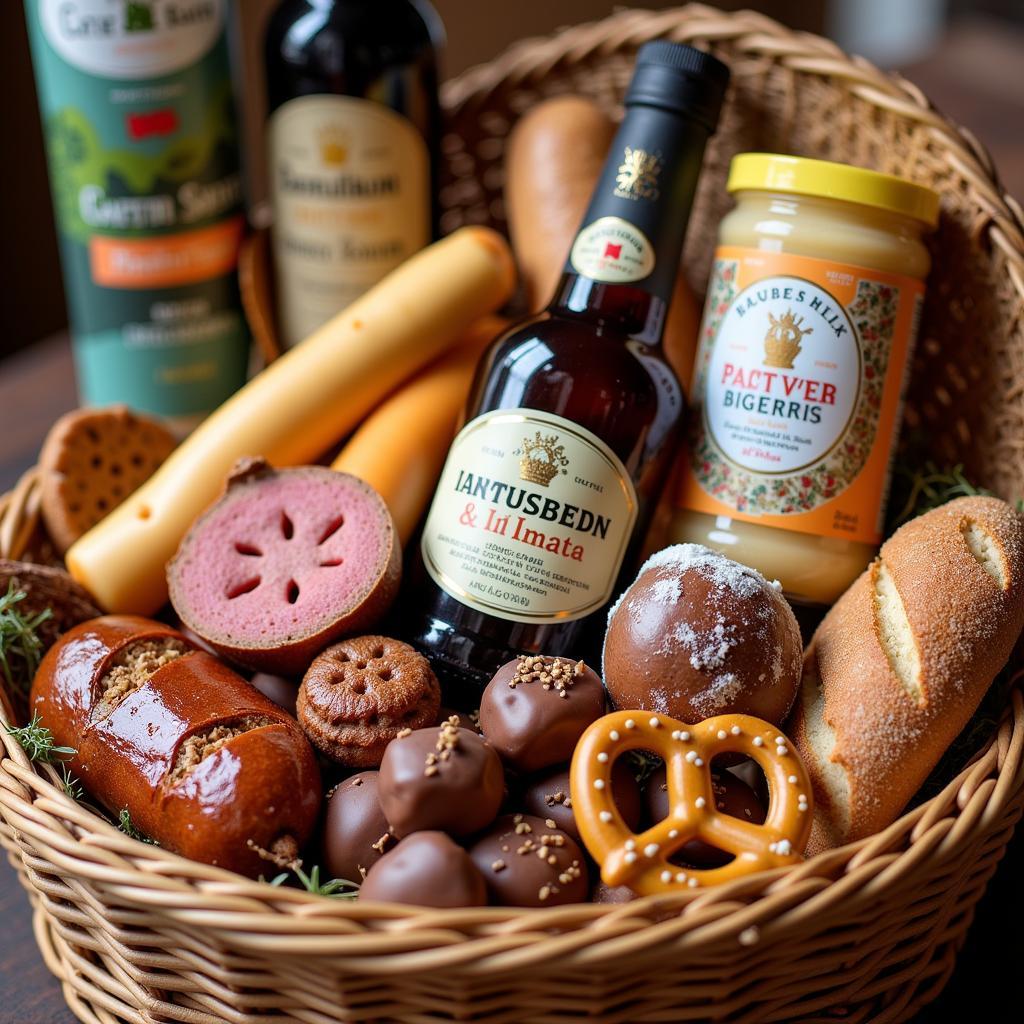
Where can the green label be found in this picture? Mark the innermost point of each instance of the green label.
(141, 138)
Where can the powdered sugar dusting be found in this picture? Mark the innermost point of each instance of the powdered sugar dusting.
(720, 693)
(719, 570)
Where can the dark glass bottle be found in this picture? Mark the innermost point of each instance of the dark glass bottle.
(353, 142)
(547, 491)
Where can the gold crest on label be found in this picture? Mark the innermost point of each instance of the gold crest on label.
(333, 145)
(637, 177)
(782, 342)
(542, 458)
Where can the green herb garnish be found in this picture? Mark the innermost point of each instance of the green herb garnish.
(21, 650)
(71, 786)
(37, 741)
(336, 888)
(127, 826)
(921, 488)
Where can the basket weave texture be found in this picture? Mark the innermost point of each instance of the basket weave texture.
(868, 932)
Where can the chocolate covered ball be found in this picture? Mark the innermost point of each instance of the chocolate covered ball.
(446, 778)
(426, 870)
(467, 720)
(548, 797)
(536, 708)
(528, 862)
(698, 635)
(732, 796)
(356, 832)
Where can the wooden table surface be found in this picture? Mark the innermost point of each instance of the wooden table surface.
(976, 79)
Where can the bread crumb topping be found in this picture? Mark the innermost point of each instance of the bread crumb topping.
(201, 745)
(134, 665)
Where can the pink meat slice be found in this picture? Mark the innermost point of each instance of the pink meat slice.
(279, 558)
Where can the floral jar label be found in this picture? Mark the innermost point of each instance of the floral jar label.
(796, 393)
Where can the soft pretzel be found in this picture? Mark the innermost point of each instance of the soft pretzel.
(642, 862)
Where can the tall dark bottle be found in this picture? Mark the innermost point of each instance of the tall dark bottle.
(352, 148)
(547, 490)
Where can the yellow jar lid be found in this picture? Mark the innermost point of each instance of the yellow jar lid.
(773, 172)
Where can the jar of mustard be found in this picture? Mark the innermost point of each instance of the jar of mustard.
(812, 307)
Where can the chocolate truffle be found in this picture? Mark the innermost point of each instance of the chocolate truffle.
(283, 692)
(445, 778)
(698, 635)
(360, 693)
(732, 796)
(426, 870)
(467, 720)
(356, 832)
(548, 797)
(527, 862)
(536, 708)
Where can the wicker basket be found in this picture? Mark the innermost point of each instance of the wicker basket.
(866, 932)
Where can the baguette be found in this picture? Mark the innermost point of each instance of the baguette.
(297, 408)
(899, 665)
(204, 763)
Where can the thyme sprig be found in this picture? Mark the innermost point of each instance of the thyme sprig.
(37, 741)
(127, 826)
(71, 786)
(336, 888)
(21, 649)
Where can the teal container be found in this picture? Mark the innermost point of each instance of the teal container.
(141, 136)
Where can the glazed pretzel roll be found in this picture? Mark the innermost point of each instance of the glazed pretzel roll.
(204, 764)
(900, 663)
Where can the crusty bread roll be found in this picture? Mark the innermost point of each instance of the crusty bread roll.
(900, 663)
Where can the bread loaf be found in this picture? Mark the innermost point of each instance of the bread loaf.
(204, 764)
(900, 663)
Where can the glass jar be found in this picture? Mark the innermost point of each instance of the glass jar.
(796, 396)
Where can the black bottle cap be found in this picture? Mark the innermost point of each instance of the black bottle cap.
(680, 78)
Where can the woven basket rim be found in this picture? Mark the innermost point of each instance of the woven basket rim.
(148, 876)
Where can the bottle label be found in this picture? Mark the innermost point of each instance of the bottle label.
(350, 184)
(531, 518)
(133, 38)
(611, 249)
(796, 393)
(141, 136)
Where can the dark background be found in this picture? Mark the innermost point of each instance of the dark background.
(970, 63)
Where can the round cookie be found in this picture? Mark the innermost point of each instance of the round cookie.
(548, 797)
(732, 796)
(698, 635)
(91, 461)
(426, 870)
(360, 693)
(356, 833)
(527, 862)
(447, 779)
(535, 709)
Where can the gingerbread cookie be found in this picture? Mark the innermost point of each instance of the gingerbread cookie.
(91, 461)
(359, 694)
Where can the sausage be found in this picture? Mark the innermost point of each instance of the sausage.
(555, 155)
(204, 763)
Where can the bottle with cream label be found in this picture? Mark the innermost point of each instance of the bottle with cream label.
(140, 128)
(573, 417)
(812, 308)
(353, 140)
